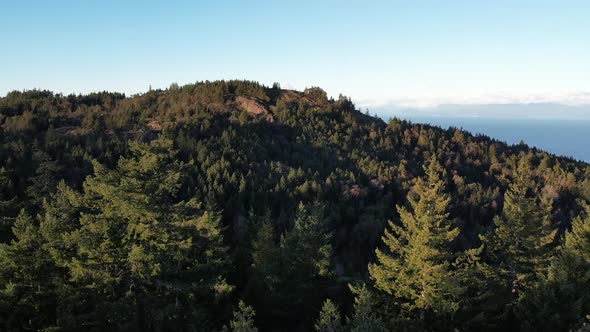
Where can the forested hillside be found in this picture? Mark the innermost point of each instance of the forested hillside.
(233, 206)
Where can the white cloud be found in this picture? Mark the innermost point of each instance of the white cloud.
(577, 98)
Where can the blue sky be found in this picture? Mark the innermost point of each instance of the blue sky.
(409, 53)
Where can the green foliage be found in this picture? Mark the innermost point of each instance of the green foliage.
(243, 320)
(307, 245)
(329, 320)
(291, 272)
(27, 289)
(417, 267)
(559, 299)
(125, 229)
(45, 179)
(140, 227)
(364, 318)
(521, 243)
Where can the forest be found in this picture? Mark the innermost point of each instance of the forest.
(234, 206)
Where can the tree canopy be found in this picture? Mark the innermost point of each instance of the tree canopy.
(232, 205)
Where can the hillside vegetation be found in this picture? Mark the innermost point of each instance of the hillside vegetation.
(230, 205)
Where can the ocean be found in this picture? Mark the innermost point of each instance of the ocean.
(570, 138)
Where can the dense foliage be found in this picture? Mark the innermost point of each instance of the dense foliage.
(229, 205)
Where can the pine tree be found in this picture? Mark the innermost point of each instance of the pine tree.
(60, 217)
(291, 274)
(243, 320)
(8, 204)
(7, 192)
(520, 245)
(329, 320)
(265, 254)
(416, 268)
(306, 247)
(557, 302)
(27, 293)
(154, 257)
(47, 175)
(364, 318)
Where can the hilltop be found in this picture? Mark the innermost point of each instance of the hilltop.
(253, 156)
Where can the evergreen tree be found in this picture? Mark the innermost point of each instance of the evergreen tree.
(416, 268)
(8, 204)
(46, 177)
(154, 258)
(243, 320)
(329, 320)
(364, 318)
(27, 292)
(60, 217)
(292, 272)
(306, 248)
(7, 192)
(557, 302)
(265, 254)
(519, 247)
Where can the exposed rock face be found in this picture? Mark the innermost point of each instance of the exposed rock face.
(253, 106)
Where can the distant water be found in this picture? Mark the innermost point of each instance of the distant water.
(569, 138)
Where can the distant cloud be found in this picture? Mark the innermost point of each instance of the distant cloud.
(579, 98)
(574, 106)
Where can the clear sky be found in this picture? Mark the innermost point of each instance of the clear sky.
(413, 52)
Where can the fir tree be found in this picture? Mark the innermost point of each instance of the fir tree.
(265, 254)
(329, 320)
(416, 267)
(243, 320)
(557, 301)
(28, 296)
(8, 204)
(520, 245)
(364, 317)
(7, 193)
(141, 242)
(292, 272)
(306, 247)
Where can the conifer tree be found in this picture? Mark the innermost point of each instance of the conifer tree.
(292, 271)
(416, 266)
(7, 193)
(265, 254)
(243, 320)
(8, 204)
(27, 292)
(364, 317)
(520, 245)
(60, 217)
(557, 302)
(154, 256)
(307, 245)
(47, 174)
(329, 320)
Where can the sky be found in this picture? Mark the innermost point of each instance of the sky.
(410, 53)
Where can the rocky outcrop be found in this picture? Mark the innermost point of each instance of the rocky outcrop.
(253, 107)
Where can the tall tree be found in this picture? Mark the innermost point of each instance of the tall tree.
(46, 177)
(8, 204)
(27, 291)
(152, 254)
(520, 245)
(329, 320)
(292, 272)
(364, 317)
(243, 320)
(416, 265)
(563, 296)
(7, 192)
